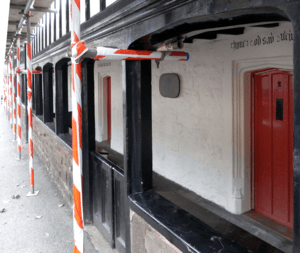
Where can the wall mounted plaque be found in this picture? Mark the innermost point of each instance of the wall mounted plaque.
(169, 85)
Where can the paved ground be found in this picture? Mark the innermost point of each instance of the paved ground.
(20, 231)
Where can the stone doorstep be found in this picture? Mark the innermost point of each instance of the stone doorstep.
(97, 240)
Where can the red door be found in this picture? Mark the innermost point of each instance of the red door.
(273, 145)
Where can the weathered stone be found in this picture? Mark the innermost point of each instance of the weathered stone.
(145, 239)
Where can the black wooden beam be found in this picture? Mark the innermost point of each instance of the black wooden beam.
(54, 31)
(137, 116)
(138, 126)
(102, 5)
(38, 39)
(267, 25)
(48, 92)
(60, 18)
(50, 29)
(38, 94)
(67, 17)
(46, 30)
(87, 10)
(88, 137)
(293, 12)
(61, 99)
(43, 33)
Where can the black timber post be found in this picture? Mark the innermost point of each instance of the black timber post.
(87, 10)
(137, 116)
(61, 100)
(43, 37)
(48, 93)
(38, 94)
(54, 31)
(33, 94)
(102, 5)
(60, 19)
(50, 28)
(38, 40)
(67, 17)
(46, 29)
(25, 103)
(293, 13)
(88, 137)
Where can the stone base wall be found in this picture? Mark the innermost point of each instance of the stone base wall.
(145, 239)
(55, 153)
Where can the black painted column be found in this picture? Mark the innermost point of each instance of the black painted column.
(61, 103)
(88, 137)
(87, 10)
(38, 95)
(54, 31)
(33, 94)
(293, 12)
(46, 29)
(26, 106)
(137, 116)
(102, 5)
(48, 93)
(60, 19)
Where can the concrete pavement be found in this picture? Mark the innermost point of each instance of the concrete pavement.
(20, 230)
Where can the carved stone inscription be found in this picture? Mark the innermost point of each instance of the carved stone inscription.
(260, 40)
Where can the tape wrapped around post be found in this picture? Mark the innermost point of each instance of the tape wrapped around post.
(78, 49)
(14, 102)
(10, 91)
(19, 121)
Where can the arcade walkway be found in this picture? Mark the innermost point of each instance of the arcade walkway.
(20, 229)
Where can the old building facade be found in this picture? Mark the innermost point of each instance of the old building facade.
(178, 156)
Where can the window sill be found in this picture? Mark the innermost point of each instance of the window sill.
(185, 231)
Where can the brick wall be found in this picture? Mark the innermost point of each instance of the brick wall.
(55, 153)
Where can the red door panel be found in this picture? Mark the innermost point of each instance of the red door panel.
(273, 136)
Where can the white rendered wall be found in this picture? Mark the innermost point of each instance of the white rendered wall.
(113, 69)
(193, 134)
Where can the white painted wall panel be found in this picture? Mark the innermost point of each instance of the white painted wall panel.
(112, 69)
(193, 134)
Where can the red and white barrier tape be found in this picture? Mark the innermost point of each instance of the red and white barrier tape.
(32, 72)
(19, 122)
(80, 51)
(76, 131)
(30, 132)
(7, 87)
(4, 86)
(14, 100)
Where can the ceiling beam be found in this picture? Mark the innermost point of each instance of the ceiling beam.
(34, 9)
